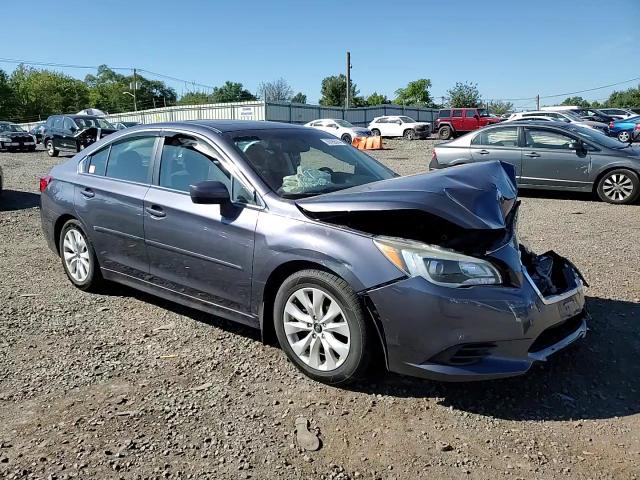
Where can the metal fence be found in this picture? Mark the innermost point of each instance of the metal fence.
(277, 112)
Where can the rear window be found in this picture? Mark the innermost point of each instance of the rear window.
(98, 162)
(444, 114)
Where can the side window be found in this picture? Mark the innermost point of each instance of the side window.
(130, 159)
(184, 163)
(444, 114)
(546, 139)
(497, 137)
(57, 122)
(457, 114)
(470, 113)
(98, 162)
(68, 124)
(50, 121)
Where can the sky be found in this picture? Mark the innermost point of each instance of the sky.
(510, 48)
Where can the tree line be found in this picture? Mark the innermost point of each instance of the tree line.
(31, 94)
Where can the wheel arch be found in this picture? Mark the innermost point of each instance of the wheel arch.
(57, 228)
(610, 168)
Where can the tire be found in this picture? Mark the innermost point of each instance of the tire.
(346, 138)
(444, 132)
(32, 149)
(72, 239)
(409, 134)
(51, 150)
(350, 332)
(624, 136)
(619, 186)
(375, 132)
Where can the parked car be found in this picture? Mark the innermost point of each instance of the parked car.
(37, 132)
(399, 126)
(455, 121)
(13, 137)
(627, 130)
(73, 132)
(552, 156)
(561, 116)
(122, 125)
(339, 128)
(593, 115)
(618, 113)
(285, 229)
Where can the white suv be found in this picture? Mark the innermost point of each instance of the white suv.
(339, 128)
(399, 126)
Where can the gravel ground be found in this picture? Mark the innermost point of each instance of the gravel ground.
(124, 385)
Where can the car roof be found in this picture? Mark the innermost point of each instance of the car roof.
(222, 126)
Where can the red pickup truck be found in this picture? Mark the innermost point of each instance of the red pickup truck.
(455, 121)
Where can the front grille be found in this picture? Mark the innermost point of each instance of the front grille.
(464, 354)
(553, 335)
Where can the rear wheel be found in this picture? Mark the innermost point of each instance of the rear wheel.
(624, 136)
(51, 150)
(346, 138)
(409, 134)
(444, 132)
(375, 132)
(321, 327)
(619, 186)
(78, 257)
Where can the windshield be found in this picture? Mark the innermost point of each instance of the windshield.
(93, 122)
(300, 163)
(343, 123)
(596, 136)
(483, 112)
(407, 120)
(10, 127)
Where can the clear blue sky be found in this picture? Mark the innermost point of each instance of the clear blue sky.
(510, 48)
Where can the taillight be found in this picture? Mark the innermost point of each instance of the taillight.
(637, 126)
(44, 182)
(611, 125)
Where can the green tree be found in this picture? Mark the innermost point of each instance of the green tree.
(334, 91)
(275, 91)
(577, 101)
(299, 98)
(499, 107)
(231, 92)
(376, 99)
(195, 98)
(625, 98)
(415, 93)
(8, 104)
(464, 95)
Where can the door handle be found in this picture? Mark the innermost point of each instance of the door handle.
(532, 155)
(484, 152)
(88, 193)
(156, 211)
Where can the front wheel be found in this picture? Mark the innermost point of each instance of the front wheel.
(346, 138)
(51, 150)
(321, 327)
(375, 132)
(409, 134)
(78, 257)
(624, 136)
(619, 186)
(444, 132)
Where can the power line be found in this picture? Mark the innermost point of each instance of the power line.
(52, 64)
(592, 89)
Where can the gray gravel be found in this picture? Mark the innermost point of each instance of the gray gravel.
(124, 385)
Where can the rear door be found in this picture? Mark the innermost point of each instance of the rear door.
(548, 160)
(109, 200)
(67, 140)
(201, 252)
(56, 132)
(470, 121)
(457, 120)
(498, 143)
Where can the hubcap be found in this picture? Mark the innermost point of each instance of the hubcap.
(317, 329)
(623, 137)
(76, 255)
(50, 147)
(617, 187)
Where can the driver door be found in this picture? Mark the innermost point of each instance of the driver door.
(203, 253)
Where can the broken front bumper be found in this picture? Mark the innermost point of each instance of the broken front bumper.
(477, 333)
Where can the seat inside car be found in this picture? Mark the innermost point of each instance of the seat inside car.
(128, 165)
(272, 167)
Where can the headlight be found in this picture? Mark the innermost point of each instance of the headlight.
(437, 265)
(5, 139)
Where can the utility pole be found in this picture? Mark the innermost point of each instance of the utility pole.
(538, 102)
(347, 98)
(134, 88)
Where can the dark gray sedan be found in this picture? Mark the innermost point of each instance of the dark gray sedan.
(289, 230)
(552, 156)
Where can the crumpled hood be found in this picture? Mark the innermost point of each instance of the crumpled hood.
(474, 196)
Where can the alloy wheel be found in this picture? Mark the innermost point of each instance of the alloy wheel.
(617, 187)
(316, 329)
(624, 136)
(50, 147)
(76, 255)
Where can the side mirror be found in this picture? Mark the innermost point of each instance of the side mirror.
(209, 192)
(576, 145)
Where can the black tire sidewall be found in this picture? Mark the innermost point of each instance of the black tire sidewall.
(623, 141)
(51, 152)
(94, 274)
(357, 359)
(441, 133)
(346, 136)
(375, 132)
(409, 134)
(634, 180)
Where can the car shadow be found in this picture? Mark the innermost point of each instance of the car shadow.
(598, 377)
(12, 200)
(558, 195)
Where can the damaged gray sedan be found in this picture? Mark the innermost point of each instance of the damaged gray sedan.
(289, 230)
